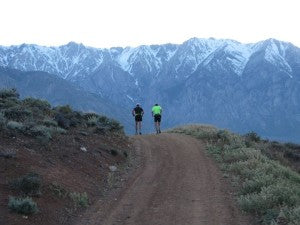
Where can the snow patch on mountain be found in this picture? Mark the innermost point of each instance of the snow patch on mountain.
(275, 54)
(124, 58)
(240, 55)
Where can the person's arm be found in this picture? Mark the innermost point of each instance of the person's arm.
(133, 113)
(142, 112)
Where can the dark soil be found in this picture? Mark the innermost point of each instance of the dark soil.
(64, 168)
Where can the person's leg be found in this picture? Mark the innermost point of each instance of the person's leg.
(155, 125)
(140, 127)
(158, 123)
(136, 127)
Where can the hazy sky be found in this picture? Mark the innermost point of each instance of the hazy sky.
(110, 23)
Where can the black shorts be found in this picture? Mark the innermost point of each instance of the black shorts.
(157, 118)
(138, 118)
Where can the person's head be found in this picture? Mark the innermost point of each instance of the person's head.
(156, 104)
(138, 104)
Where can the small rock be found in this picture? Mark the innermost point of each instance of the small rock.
(83, 149)
(8, 155)
(83, 133)
(113, 168)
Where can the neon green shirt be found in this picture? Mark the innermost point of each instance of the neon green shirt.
(156, 110)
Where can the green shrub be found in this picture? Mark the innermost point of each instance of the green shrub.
(290, 214)
(115, 126)
(80, 199)
(269, 197)
(255, 184)
(92, 121)
(49, 123)
(40, 107)
(17, 113)
(22, 205)
(106, 124)
(58, 190)
(215, 151)
(292, 146)
(29, 184)
(252, 136)
(3, 120)
(66, 117)
(57, 130)
(224, 136)
(41, 131)
(87, 116)
(9, 93)
(270, 217)
(13, 125)
(240, 154)
(65, 109)
(8, 98)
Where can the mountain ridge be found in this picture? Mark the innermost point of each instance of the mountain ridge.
(262, 75)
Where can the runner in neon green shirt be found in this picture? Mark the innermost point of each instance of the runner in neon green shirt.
(156, 113)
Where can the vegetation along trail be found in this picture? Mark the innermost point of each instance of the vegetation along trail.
(176, 184)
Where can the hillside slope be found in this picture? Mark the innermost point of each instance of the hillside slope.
(54, 162)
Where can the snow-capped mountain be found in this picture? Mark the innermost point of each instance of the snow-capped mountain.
(239, 86)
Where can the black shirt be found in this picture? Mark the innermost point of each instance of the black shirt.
(138, 110)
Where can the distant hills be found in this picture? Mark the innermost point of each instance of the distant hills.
(242, 87)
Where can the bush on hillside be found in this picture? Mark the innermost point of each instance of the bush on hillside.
(16, 126)
(3, 120)
(24, 206)
(40, 131)
(92, 120)
(89, 115)
(49, 123)
(17, 113)
(58, 190)
(105, 124)
(35, 117)
(80, 199)
(40, 108)
(66, 117)
(64, 109)
(29, 184)
(62, 121)
(252, 136)
(8, 98)
(9, 93)
(292, 146)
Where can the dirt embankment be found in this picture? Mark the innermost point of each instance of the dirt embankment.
(175, 184)
(71, 163)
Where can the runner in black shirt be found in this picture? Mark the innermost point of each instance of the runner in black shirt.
(138, 113)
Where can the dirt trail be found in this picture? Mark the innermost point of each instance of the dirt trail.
(177, 184)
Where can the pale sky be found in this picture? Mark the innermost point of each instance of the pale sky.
(112, 23)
